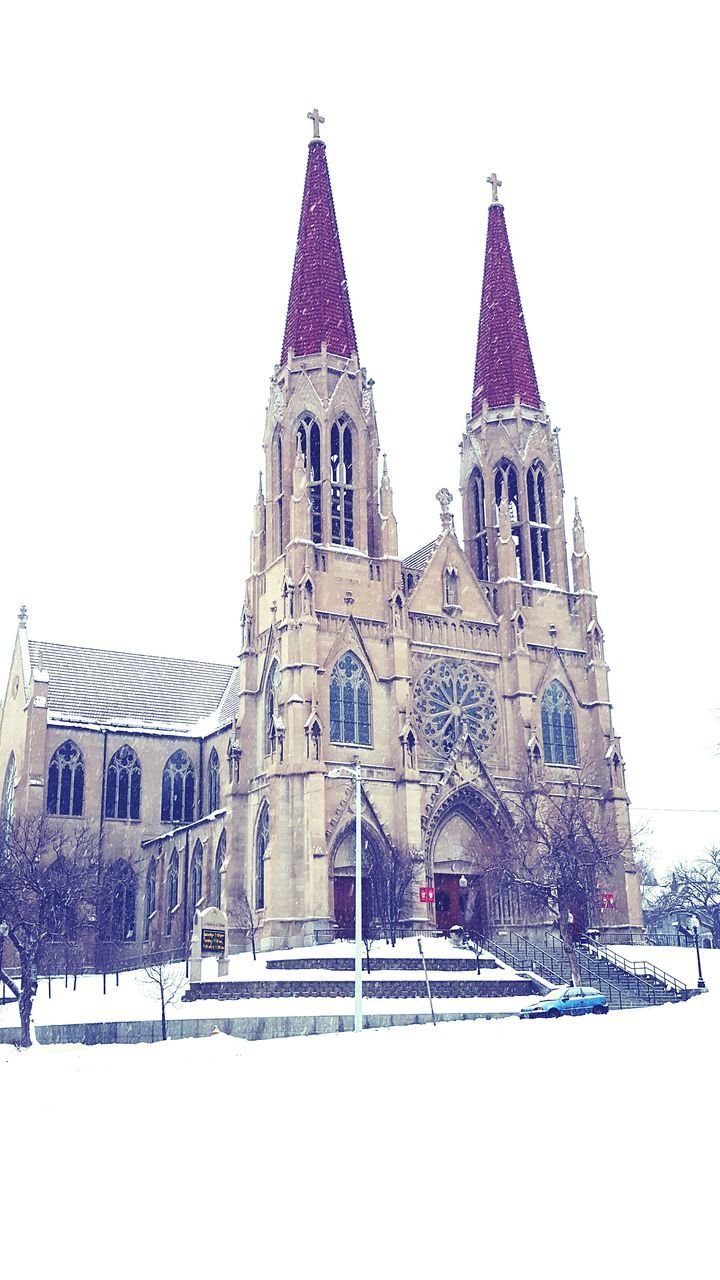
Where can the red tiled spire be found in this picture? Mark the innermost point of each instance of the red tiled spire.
(319, 306)
(503, 366)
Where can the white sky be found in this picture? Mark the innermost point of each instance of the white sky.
(152, 158)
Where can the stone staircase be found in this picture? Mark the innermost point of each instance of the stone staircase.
(627, 984)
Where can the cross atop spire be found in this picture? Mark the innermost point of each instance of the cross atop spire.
(504, 365)
(494, 183)
(319, 306)
(317, 120)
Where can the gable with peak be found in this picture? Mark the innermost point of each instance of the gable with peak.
(429, 593)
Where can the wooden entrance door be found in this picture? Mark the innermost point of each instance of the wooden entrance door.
(448, 905)
(344, 894)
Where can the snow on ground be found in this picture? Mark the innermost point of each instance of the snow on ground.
(582, 1147)
(136, 998)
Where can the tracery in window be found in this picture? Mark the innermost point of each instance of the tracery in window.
(341, 482)
(196, 875)
(7, 807)
(506, 479)
(279, 494)
(219, 870)
(558, 726)
(539, 526)
(172, 889)
(262, 839)
(150, 895)
(58, 906)
(477, 500)
(308, 441)
(452, 698)
(350, 711)
(122, 786)
(66, 781)
(213, 781)
(178, 789)
(117, 903)
(272, 691)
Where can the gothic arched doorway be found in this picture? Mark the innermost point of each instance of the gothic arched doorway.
(344, 885)
(465, 849)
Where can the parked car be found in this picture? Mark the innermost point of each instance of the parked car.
(566, 1000)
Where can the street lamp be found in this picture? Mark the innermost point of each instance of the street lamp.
(695, 926)
(346, 772)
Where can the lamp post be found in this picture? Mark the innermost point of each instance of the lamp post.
(355, 773)
(695, 926)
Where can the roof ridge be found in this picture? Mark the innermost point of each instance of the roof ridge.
(128, 653)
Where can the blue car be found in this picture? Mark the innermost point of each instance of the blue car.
(566, 1000)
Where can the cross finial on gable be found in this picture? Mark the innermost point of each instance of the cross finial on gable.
(494, 183)
(444, 497)
(23, 615)
(317, 120)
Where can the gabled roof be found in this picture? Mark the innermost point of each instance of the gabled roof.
(419, 560)
(108, 687)
(503, 364)
(319, 306)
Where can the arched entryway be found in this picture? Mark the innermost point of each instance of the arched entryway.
(343, 883)
(466, 852)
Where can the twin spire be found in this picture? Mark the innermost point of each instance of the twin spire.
(319, 307)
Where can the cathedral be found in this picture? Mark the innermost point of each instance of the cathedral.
(447, 674)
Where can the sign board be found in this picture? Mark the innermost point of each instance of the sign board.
(212, 942)
(427, 893)
(607, 901)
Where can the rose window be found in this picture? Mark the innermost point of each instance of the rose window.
(451, 699)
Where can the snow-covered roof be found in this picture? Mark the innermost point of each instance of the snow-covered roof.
(419, 560)
(109, 687)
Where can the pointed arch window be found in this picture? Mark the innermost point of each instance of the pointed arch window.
(558, 726)
(350, 704)
(117, 903)
(122, 785)
(477, 501)
(196, 875)
(506, 479)
(272, 691)
(7, 807)
(178, 789)
(172, 889)
(219, 870)
(66, 782)
(262, 839)
(342, 525)
(150, 895)
(308, 441)
(539, 526)
(213, 781)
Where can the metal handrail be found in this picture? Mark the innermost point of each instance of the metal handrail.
(638, 968)
(551, 968)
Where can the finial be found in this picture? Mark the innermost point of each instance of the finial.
(494, 183)
(385, 470)
(577, 511)
(444, 497)
(260, 488)
(23, 616)
(317, 120)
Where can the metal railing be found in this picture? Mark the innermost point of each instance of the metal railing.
(638, 968)
(550, 965)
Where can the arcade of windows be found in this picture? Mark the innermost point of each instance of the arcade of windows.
(339, 472)
(123, 786)
(505, 480)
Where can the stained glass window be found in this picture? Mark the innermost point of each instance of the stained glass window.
(66, 781)
(172, 894)
(117, 903)
(122, 787)
(178, 789)
(213, 781)
(262, 839)
(219, 869)
(8, 795)
(452, 698)
(196, 870)
(150, 895)
(558, 726)
(350, 707)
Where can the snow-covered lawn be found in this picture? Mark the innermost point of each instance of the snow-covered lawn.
(583, 1147)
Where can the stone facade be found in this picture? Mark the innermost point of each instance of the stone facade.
(434, 671)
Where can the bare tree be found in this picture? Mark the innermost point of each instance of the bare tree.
(247, 919)
(566, 841)
(48, 894)
(168, 980)
(695, 887)
(390, 871)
